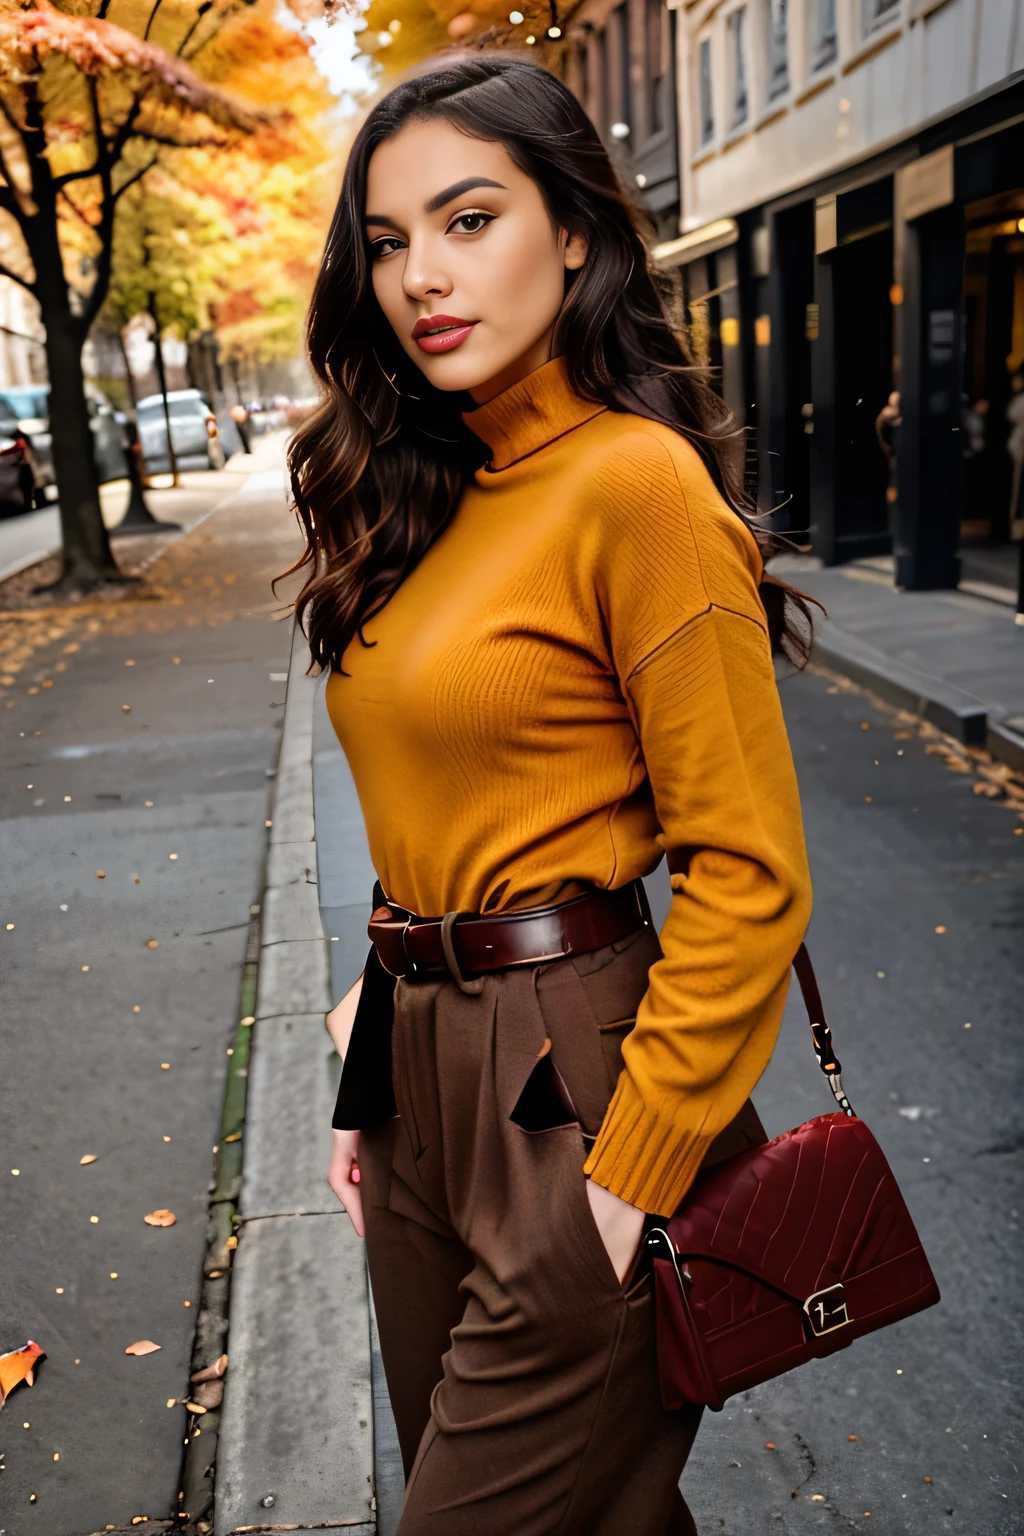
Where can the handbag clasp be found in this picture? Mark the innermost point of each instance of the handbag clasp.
(827, 1310)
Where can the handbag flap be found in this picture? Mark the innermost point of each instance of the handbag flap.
(817, 1205)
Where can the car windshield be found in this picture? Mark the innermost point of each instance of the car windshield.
(25, 401)
(178, 410)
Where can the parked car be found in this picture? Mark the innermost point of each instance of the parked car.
(30, 404)
(193, 432)
(17, 482)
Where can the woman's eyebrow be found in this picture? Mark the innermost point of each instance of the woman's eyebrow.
(457, 189)
(439, 199)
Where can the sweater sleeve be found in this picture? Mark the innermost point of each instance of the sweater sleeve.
(706, 711)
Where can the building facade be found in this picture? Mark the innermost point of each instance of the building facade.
(621, 63)
(850, 180)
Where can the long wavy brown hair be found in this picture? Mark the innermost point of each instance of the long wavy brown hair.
(378, 469)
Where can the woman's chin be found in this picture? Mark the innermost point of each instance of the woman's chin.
(474, 371)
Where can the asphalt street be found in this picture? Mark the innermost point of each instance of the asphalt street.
(918, 941)
(132, 849)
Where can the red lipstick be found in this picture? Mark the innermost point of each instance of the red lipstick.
(441, 333)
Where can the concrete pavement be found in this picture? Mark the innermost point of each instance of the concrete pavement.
(122, 994)
(31, 536)
(956, 658)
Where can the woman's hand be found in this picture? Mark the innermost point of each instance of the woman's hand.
(620, 1226)
(343, 1176)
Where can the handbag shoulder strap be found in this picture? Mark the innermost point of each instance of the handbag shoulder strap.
(821, 1035)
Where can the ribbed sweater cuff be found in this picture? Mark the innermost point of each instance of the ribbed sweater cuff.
(645, 1157)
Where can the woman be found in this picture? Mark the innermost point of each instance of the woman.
(550, 664)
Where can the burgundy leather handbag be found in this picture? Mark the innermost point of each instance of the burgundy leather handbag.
(784, 1253)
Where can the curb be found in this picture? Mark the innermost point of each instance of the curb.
(295, 1446)
(951, 709)
(954, 711)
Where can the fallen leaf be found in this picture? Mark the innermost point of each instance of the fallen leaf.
(142, 1347)
(160, 1218)
(18, 1365)
(194, 1407)
(126, 709)
(852, 1438)
(991, 791)
(152, 943)
(211, 1372)
(101, 874)
(941, 928)
(817, 1498)
(232, 1242)
(926, 1479)
(209, 1394)
(769, 1445)
(90, 1157)
(235, 1136)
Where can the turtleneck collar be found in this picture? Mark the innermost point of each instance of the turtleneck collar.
(531, 414)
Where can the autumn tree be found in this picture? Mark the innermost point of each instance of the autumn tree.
(227, 240)
(87, 106)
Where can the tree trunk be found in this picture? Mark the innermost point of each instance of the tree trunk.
(87, 556)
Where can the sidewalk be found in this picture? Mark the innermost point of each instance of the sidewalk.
(954, 658)
(139, 736)
(31, 536)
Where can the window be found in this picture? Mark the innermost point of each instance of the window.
(657, 19)
(737, 33)
(823, 36)
(778, 47)
(707, 101)
(878, 12)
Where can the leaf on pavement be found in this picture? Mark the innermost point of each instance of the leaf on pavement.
(160, 1219)
(142, 1347)
(18, 1365)
(208, 1394)
(90, 1157)
(211, 1372)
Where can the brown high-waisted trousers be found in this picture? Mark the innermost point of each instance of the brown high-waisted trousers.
(522, 1374)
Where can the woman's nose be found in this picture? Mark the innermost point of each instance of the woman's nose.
(423, 277)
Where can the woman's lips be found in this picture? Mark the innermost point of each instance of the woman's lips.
(441, 333)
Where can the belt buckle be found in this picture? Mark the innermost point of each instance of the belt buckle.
(384, 916)
(411, 969)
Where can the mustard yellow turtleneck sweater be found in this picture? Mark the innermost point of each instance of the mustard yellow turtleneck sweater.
(575, 680)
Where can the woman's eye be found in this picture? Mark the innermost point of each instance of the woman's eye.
(470, 223)
(385, 245)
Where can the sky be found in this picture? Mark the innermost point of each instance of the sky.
(347, 72)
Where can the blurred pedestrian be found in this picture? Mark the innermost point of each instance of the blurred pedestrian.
(240, 416)
(887, 422)
(550, 663)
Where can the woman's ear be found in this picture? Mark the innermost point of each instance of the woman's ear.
(576, 248)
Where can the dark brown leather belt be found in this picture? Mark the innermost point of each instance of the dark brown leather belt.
(466, 944)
